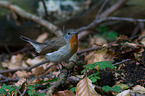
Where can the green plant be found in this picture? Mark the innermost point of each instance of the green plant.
(73, 89)
(93, 77)
(108, 88)
(108, 35)
(49, 81)
(102, 64)
(31, 90)
(8, 89)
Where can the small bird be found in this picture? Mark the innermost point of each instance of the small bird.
(59, 49)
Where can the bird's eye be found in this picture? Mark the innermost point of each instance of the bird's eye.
(68, 33)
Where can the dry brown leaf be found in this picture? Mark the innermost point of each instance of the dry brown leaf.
(56, 73)
(139, 89)
(124, 93)
(95, 56)
(34, 61)
(64, 93)
(99, 55)
(86, 88)
(15, 62)
(20, 82)
(4, 64)
(101, 41)
(141, 35)
(16, 58)
(22, 74)
(97, 41)
(37, 80)
(37, 71)
(52, 68)
(131, 44)
(42, 37)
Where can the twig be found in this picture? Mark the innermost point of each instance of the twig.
(24, 90)
(125, 19)
(104, 14)
(123, 61)
(141, 26)
(17, 90)
(7, 49)
(27, 69)
(45, 9)
(61, 80)
(134, 32)
(56, 84)
(113, 8)
(88, 49)
(101, 9)
(7, 79)
(32, 17)
(97, 22)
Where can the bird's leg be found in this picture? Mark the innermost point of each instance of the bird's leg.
(72, 69)
(62, 65)
(71, 61)
(61, 70)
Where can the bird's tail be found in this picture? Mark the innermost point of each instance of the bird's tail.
(38, 46)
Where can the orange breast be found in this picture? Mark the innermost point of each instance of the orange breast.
(73, 43)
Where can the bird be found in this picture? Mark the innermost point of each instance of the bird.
(59, 49)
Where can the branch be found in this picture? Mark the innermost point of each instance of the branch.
(123, 61)
(88, 49)
(96, 22)
(27, 69)
(115, 7)
(49, 26)
(45, 8)
(103, 15)
(7, 79)
(62, 78)
(125, 19)
(101, 9)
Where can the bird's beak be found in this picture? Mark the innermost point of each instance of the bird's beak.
(77, 32)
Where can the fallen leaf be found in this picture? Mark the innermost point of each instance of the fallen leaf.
(16, 58)
(124, 93)
(37, 71)
(101, 41)
(15, 62)
(20, 82)
(86, 88)
(97, 40)
(34, 61)
(142, 35)
(130, 44)
(42, 37)
(56, 73)
(4, 64)
(95, 56)
(22, 74)
(139, 89)
(64, 93)
(122, 86)
(37, 80)
(99, 55)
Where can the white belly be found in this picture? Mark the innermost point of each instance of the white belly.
(60, 55)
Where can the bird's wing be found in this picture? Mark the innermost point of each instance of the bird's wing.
(53, 45)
